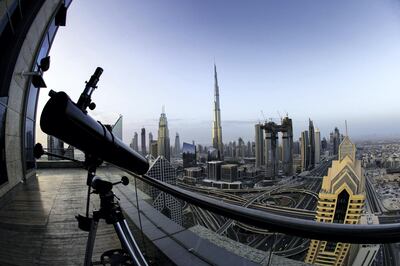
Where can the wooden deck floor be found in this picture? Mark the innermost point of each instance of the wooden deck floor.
(38, 226)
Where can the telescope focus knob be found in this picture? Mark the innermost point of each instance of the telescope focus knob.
(92, 106)
(124, 180)
(38, 150)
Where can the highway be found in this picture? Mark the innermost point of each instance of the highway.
(283, 245)
(374, 204)
(262, 195)
(302, 189)
(240, 201)
(229, 222)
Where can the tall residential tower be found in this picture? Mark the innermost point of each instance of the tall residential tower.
(304, 151)
(177, 147)
(150, 141)
(260, 143)
(217, 129)
(135, 144)
(163, 147)
(143, 141)
(311, 144)
(317, 146)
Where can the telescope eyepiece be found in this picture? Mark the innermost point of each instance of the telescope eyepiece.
(98, 72)
(95, 78)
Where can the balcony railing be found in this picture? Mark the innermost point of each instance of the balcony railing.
(358, 233)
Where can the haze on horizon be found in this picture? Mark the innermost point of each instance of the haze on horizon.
(326, 60)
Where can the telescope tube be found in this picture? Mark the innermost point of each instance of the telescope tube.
(63, 119)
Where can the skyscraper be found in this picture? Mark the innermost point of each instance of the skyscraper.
(240, 149)
(324, 144)
(273, 151)
(248, 149)
(177, 147)
(162, 170)
(163, 146)
(317, 146)
(134, 144)
(143, 141)
(311, 144)
(253, 149)
(335, 141)
(150, 140)
(287, 146)
(188, 155)
(304, 150)
(296, 147)
(217, 129)
(341, 200)
(154, 148)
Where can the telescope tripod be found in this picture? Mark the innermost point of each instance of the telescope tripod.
(111, 212)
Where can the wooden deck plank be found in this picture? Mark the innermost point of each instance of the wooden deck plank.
(38, 225)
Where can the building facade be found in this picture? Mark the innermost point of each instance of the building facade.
(229, 172)
(214, 170)
(341, 200)
(27, 31)
(162, 170)
(364, 254)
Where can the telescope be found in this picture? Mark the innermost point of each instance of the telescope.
(70, 122)
(65, 120)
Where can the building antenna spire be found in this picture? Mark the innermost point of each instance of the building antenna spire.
(216, 79)
(347, 133)
(163, 109)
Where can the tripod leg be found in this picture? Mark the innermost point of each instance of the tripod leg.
(90, 243)
(128, 242)
(88, 201)
(132, 240)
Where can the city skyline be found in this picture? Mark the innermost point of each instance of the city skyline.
(260, 164)
(292, 63)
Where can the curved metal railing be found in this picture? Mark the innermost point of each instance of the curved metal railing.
(347, 233)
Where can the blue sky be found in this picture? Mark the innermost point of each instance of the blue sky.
(328, 60)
